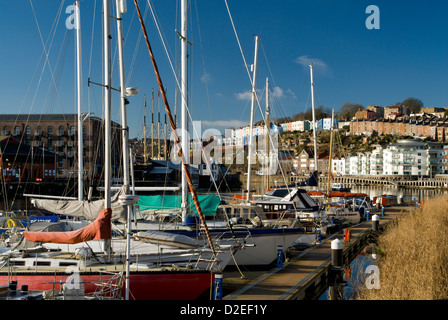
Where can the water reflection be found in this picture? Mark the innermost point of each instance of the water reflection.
(406, 193)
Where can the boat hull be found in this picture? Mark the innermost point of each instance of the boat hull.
(264, 251)
(144, 285)
(259, 244)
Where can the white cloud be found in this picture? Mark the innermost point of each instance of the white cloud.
(318, 64)
(247, 95)
(277, 92)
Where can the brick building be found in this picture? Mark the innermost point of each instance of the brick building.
(55, 135)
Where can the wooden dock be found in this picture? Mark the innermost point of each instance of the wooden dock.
(306, 275)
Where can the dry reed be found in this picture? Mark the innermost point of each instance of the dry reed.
(413, 256)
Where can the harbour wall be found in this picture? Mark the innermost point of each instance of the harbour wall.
(438, 181)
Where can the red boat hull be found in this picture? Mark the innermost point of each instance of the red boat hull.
(181, 285)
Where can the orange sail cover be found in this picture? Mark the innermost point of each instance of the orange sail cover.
(98, 229)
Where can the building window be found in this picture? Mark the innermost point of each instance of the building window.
(5, 130)
(72, 131)
(61, 130)
(50, 130)
(28, 130)
(17, 131)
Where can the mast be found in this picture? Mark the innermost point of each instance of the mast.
(184, 103)
(314, 120)
(252, 110)
(107, 116)
(123, 99)
(121, 9)
(145, 156)
(158, 126)
(79, 98)
(267, 134)
(177, 141)
(331, 151)
(152, 126)
(165, 138)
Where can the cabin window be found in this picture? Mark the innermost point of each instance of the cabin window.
(42, 263)
(67, 264)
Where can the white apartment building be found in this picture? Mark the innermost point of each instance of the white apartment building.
(338, 166)
(404, 158)
(376, 160)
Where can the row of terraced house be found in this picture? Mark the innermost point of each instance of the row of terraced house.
(431, 123)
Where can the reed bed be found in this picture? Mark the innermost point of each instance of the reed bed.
(413, 256)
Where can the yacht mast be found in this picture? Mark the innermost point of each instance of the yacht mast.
(123, 99)
(107, 116)
(314, 121)
(331, 152)
(184, 103)
(145, 153)
(252, 110)
(177, 141)
(79, 98)
(267, 134)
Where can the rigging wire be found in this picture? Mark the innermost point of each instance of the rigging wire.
(183, 96)
(251, 80)
(50, 36)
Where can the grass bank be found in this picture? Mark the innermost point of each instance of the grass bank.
(413, 256)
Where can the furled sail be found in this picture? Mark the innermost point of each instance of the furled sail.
(84, 209)
(99, 229)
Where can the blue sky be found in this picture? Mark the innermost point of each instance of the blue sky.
(406, 57)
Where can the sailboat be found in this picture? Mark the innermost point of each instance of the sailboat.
(48, 268)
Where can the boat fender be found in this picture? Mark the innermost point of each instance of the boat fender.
(256, 221)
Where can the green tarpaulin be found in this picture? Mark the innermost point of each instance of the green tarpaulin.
(209, 203)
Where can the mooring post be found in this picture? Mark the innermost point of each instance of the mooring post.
(336, 253)
(280, 256)
(218, 286)
(375, 223)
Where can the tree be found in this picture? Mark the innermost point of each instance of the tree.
(348, 110)
(413, 104)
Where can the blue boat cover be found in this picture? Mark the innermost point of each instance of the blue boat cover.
(209, 203)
